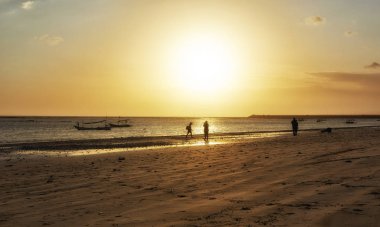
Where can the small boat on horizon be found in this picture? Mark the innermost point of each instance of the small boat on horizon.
(320, 120)
(105, 127)
(93, 128)
(120, 124)
(350, 121)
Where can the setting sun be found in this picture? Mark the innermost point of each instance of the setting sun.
(203, 63)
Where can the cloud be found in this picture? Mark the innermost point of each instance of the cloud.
(350, 33)
(374, 65)
(8, 7)
(315, 20)
(368, 81)
(27, 5)
(50, 40)
(346, 75)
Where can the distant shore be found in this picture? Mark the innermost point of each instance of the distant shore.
(323, 116)
(274, 116)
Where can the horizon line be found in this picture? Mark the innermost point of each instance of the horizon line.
(249, 116)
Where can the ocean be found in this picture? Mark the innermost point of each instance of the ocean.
(38, 129)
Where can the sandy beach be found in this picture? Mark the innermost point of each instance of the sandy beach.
(314, 179)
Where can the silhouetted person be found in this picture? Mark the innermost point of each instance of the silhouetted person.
(294, 126)
(205, 129)
(189, 130)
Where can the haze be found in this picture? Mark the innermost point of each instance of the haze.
(189, 58)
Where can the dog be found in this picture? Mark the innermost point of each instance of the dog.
(328, 130)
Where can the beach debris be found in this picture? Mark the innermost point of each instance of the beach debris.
(151, 189)
(328, 182)
(238, 219)
(306, 206)
(121, 158)
(266, 220)
(50, 179)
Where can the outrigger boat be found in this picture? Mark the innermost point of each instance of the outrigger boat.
(120, 124)
(105, 127)
(92, 128)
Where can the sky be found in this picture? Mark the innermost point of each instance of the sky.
(189, 58)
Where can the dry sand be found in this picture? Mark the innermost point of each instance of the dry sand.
(313, 179)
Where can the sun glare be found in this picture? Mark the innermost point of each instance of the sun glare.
(203, 64)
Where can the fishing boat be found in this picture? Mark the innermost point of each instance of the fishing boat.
(350, 121)
(93, 128)
(320, 120)
(120, 124)
(81, 127)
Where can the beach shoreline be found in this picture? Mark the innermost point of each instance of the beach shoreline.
(140, 142)
(313, 179)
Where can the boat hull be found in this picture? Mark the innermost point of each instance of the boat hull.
(120, 125)
(92, 128)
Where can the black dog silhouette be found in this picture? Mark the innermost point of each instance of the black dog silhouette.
(328, 130)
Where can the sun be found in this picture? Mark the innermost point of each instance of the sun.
(203, 63)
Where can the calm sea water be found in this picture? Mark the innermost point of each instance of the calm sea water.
(29, 129)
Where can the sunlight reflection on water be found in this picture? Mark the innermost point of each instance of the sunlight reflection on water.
(65, 153)
(215, 140)
(45, 129)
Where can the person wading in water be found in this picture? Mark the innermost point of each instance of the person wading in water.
(294, 126)
(205, 129)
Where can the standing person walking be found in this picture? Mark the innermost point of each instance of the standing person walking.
(205, 129)
(189, 130)
(294, 126)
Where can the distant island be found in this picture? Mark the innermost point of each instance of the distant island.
(313, 116)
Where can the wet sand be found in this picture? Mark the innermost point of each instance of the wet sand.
(313, 179)
(128, 142)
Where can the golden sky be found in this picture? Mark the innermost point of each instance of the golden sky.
(189, 58)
